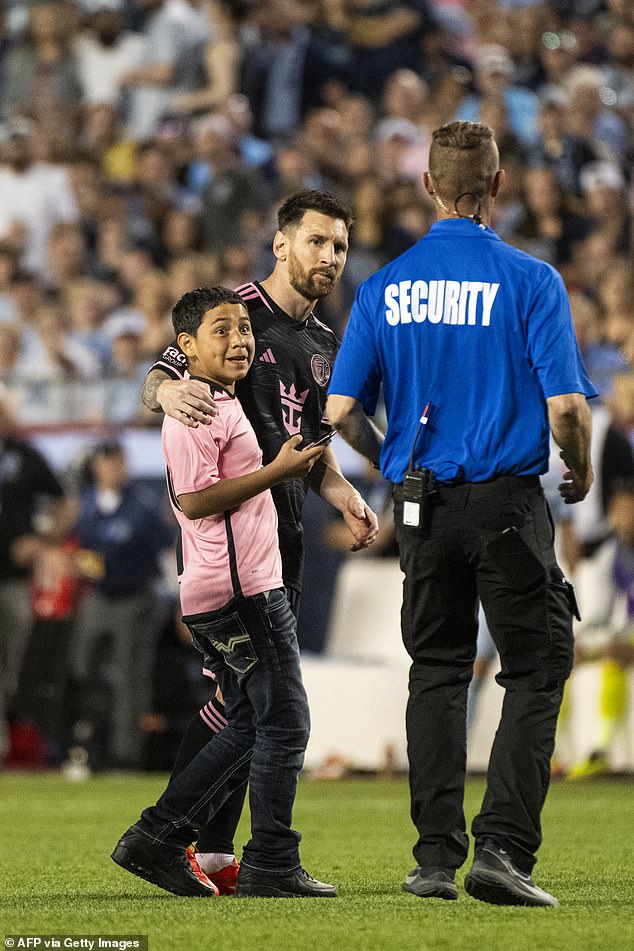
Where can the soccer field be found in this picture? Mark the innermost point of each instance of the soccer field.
(57, 876)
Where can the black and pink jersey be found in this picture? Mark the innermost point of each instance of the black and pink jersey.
(284, 393)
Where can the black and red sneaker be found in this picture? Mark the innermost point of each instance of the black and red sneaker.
(162, 865)
(224, 879)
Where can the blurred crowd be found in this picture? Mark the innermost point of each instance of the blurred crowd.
(145, 146)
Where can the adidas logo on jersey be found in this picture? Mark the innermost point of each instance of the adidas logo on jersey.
(267, 357)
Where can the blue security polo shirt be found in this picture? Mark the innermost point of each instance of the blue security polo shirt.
(478, 329)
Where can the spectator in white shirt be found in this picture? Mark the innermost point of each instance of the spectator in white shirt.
(175, 34)
(34, 196)
(106, 52)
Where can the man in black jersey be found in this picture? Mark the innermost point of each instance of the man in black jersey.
(284, 393)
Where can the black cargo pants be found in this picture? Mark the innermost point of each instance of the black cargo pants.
(492, 541)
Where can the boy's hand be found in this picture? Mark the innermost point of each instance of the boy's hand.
(188, 401)
(296, 464)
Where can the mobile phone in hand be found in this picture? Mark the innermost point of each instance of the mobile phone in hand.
(323, 440)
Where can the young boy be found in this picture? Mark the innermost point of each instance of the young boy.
(235, 606)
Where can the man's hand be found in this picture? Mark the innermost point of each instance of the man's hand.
(571, 426)
(188, 401)
(575, 487)
(361, 521)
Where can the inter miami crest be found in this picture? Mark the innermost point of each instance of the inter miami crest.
(320, 369)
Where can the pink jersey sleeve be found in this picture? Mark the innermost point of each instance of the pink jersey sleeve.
(192, 454)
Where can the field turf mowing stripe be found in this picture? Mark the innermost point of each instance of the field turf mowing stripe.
(56, 874)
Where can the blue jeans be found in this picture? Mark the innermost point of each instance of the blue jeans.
(251, 645)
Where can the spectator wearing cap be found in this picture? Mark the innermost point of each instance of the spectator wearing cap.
(41, 72)
(400, 149)
(590, 113)
(603, 186)
(127, 367)
(125, 534)
(406, 96)
(34, 196)
(105, 52)
(494, 74)
(174, 35)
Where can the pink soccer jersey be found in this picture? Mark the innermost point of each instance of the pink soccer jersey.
(233, 548)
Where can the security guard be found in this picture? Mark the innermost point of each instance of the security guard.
(473, 343)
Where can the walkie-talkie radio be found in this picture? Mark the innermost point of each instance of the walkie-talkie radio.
(418, 498)
(418, 488)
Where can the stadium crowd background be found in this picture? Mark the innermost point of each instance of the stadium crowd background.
(144, 148)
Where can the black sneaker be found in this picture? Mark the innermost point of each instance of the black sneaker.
(259, 883)
(161, 865)
(431, 883)
(494, 878)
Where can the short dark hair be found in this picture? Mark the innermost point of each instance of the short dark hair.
(189, 310)
(297, 204)
(463, 160)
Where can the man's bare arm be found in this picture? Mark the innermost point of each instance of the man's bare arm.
(347, 416)
(335, 489)
(188, 401)
(571, 425)
(149, 390)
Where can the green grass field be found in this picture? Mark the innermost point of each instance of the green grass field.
(57, 876)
